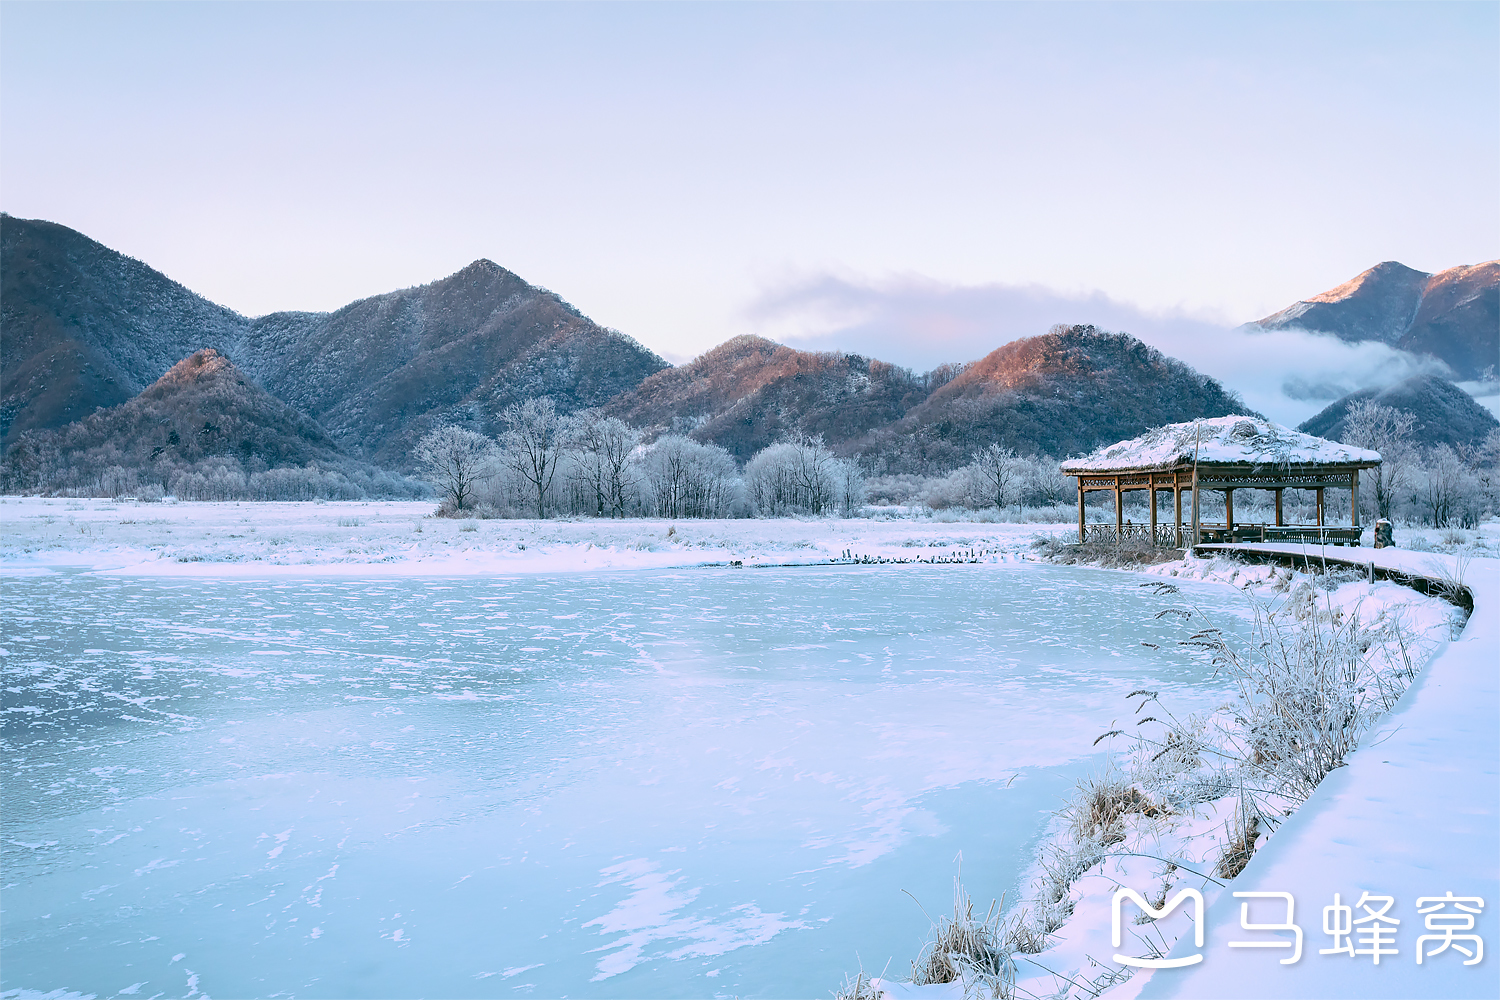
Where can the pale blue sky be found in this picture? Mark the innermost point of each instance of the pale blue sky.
(680, 171)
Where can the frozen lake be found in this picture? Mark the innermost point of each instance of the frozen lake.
(648, 783)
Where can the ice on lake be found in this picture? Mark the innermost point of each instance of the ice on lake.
(648, 783)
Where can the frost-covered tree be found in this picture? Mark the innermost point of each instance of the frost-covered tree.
(1389, 431)
(1450, 492)
(850, 487)
(800, 476)
(686, 479)
(533, 444)
(601, 469)
(996, 476)
(456, 460)
(1045, 485)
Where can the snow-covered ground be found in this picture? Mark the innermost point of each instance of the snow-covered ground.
(1078, 960)
(1415, 813)
(401, 539)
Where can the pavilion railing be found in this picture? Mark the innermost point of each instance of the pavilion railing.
(1313, 534)
(1165, 536)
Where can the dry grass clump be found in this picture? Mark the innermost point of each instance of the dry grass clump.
(1110, 555)
(1241, 846)
(1099, 809)
(857, 988)
(969, 949)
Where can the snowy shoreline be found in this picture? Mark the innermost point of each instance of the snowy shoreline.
(1426, 769)
(377, 538)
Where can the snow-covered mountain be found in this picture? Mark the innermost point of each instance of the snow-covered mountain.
(380, 372)
(84, 326)
(87, 327)
(1453, 315)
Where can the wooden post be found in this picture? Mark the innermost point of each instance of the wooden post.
(1119, 511)
(1152, 490)
(1197, 531)
(1354, 498)
(1080, 510)
(1320, 506)
(1229, 514)
(1177, 502)
(1278, 506)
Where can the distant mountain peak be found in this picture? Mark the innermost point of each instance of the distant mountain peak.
(1453, 315)
(208, 362)
(1385, 271)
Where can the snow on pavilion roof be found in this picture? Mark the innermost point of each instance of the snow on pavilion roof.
(1220, 441)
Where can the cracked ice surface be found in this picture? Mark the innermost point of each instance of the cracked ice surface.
(656, 782)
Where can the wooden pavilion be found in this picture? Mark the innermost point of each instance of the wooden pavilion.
(1221, 453)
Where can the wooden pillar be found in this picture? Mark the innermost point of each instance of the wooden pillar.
(1278, 506)
(1229, 514)
(1177, 502)
(1197, 533)
(1152, 490)
(1080, 510)
(1354, 498)
(1119, 511)
(1320, 506)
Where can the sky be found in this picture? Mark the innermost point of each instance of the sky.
(916, 182)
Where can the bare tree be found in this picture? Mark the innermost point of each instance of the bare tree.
(602, 467)
(850, 486)
(688, 479)
(533, 445)
(456, 461)
(1450, 492)
(800, 476)
(1385, 429)
(996, 475)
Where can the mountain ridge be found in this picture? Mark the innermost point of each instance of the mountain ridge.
(1452, 315)
(1445, 414)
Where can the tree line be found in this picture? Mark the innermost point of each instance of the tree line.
(546, 463)
(1441, 486)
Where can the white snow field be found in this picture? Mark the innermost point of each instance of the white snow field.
(400, 538)
(654, 782)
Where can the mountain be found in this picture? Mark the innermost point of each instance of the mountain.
(750, 392)
(380, 372)
(1445, 414)
(1453, 315)
(1063, 393)
(204, 430)
(203, 407)
(86, 327)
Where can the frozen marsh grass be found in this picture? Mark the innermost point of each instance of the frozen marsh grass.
(1193, 796)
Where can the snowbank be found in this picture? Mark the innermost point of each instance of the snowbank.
(1412, 814)
(1415, 813)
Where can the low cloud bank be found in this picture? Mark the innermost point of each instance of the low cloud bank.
(1286, 374)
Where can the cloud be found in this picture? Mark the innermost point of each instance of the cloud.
(1287, 374)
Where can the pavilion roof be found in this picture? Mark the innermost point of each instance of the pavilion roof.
(1221, 441)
